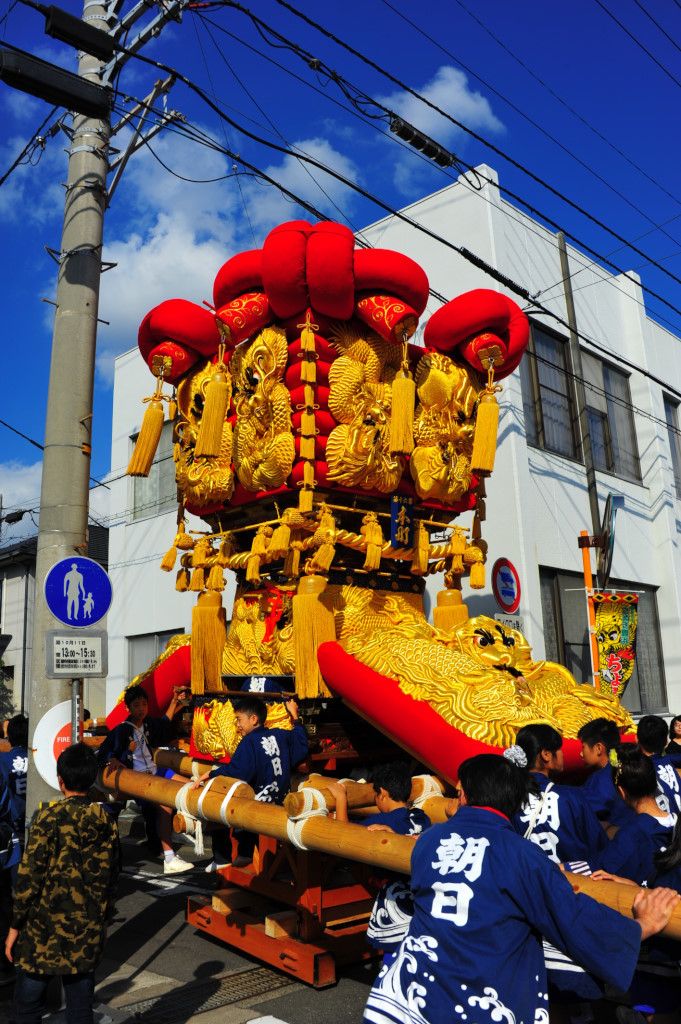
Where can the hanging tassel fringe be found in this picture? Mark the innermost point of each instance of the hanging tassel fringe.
(208, 639)
(402, 414)
(182, 539)
(182, 581)
(169, 559)
(419, 565)
(292, 562)
(457, 546)
(450, 609)
(371, 529)
(202, 549)
(148, 437)
(477, 576)
(217, 393)
(226, 549)
(312, 626)
(258, 549)
(486, 425)
(198, 580)
(216, 578)
(325, 539)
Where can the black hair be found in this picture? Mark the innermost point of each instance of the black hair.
(652, 733)
(395, 779)
(537, 737)
(77, 768)
(634, 772)
(676, 718)
(132, 693)
(252, 706)
(17, 731)
(489, 780)
(600, 730)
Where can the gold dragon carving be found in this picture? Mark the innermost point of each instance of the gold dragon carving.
(264, 448)
(443, 428)
(480, 677)
(246, 652)
(360, 399)
(203, 480)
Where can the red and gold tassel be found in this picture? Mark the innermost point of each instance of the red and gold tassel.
(486, 425)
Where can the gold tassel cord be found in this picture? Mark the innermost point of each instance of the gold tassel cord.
(486, 425)
(419, 565)
(402, 411)
(217, 394)
(198, 580)
(313, 625)
(325, 539)
(152, 426)
(371, 529)
(216, 578)
(209, 635)
(258, 549)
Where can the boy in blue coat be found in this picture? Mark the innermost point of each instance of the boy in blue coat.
(598, 738)
(483, 897)
(264, 759)
(652, 739)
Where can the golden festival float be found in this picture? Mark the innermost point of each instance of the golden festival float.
(335, 466)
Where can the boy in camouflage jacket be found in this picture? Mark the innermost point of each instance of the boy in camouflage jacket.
(64, 895)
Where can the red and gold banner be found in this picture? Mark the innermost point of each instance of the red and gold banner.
(616, 620)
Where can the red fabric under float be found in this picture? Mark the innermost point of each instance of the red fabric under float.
(411, 723)
(159, 684)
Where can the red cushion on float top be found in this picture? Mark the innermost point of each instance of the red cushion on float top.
(241, 274)
(391, 273)
(284, 258)
(182, 356)
(476, 312)
(182, 322)
(329, 270)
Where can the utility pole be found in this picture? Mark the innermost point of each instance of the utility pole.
(68, 427)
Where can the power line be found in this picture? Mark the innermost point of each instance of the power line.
(473, 134)
(35, 141)
(637, 41)
(570, 152)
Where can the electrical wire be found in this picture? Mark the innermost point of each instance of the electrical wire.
(638, 43)
(469, 131)
(36, 141)
(567, 150)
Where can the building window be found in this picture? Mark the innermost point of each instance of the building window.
(156, 493)
(611, 423)
(566, 637)
(144, 649)
(548, 401)
(672, 418)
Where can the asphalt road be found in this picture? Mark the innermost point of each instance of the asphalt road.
(157, 969)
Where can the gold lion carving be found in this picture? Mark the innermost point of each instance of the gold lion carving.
(481, 678)
(264, 448)
(204, 480)
(360, 398)
(443, 428)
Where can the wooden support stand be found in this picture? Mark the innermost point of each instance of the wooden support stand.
(301, 911)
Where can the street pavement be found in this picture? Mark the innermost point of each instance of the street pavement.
(157, 969)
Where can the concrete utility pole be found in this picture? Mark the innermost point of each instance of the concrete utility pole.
(68, 427)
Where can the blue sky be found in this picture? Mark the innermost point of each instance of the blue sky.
(562, 90)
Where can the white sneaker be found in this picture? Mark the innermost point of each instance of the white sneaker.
(213, 867)
(175, 866)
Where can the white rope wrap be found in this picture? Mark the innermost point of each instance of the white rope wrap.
(197, 770)
(194, 824)
(206, 787)
(314, 806)
(223, 806)
(431, 787)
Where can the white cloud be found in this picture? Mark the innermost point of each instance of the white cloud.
(184, 232)
(449, 90)
(20, 490)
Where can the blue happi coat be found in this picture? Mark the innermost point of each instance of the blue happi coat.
(406, 821)
(482, 897)
(630, 853)
(668, 789)
(565, 827)
(604, 799)
(264, 759)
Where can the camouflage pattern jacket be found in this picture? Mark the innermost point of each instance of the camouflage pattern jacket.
(66, 888)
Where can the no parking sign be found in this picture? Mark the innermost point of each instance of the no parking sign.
(506, 585)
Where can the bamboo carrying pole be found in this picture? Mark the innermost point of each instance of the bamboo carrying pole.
(354, 842)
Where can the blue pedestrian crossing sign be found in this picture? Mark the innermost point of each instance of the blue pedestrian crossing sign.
(78, 591)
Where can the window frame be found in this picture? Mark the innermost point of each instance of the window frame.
(534, 399)
(611, 402)
(674, 440)
(161, 505)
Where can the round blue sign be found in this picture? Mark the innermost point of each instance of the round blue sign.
(78, 591)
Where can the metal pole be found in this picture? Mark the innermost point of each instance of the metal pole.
(76, 710)
(66, 459)
(580, 395)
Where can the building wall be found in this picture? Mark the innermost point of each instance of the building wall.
(537, 501)
(17, 583)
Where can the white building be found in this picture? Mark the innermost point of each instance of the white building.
(538, 499)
